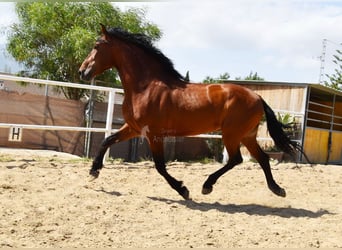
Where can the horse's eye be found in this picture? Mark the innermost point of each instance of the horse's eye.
(96, 46)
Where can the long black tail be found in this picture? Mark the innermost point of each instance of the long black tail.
(281, 140)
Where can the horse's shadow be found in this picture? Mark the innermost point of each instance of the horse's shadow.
(250, 209)
(114, 193)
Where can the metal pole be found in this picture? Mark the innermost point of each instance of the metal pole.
(109, 120)
(322, 58)
(89, 121)
(331, 129)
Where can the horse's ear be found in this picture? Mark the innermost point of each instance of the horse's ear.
(103, 29)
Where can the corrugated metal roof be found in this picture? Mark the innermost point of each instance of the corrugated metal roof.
(326, 89)
(312, 85)
(266, 83)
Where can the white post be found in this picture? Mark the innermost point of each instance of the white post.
(109, 120)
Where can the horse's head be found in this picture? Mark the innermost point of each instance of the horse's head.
(99, 59)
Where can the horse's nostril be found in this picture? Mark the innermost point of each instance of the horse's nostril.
(81, 73)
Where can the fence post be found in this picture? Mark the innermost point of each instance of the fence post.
(109, 120)
(89, 120)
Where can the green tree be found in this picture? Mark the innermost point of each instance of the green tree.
(52, 39)
(223, 77)
(251, 77)
(335, 80)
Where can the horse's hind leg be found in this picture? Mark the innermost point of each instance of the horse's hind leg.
(157, 149)
(263, 159)
(124, 133)
(235, 158)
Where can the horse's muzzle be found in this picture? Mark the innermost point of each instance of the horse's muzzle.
(85, 75)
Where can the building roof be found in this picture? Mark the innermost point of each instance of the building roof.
(326, 89)
(317, 86)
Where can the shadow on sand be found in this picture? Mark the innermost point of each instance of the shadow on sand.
(114, 193)
(250, 209)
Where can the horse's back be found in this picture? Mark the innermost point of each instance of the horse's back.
(222, 98)
(230, 105)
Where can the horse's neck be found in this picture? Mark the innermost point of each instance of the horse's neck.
(134, 68)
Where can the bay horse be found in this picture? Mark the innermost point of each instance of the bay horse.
(159, 102)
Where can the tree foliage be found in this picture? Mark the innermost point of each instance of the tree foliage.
(221, 78)
(52, 39)
(251, 77)
(335, 80)
(225, 76)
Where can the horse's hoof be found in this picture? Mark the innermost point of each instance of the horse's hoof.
(185, 193)
(280, 192)
(207, 190)
(94, 173)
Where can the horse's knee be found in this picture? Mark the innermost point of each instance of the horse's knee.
(110, 140)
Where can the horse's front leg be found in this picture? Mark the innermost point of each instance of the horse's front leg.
(124, 133)
(157, 148)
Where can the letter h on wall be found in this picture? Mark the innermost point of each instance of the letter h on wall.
(15, 134)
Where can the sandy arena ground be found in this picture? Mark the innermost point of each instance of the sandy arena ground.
(47, 200)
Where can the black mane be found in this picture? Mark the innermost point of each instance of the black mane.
(144, 42)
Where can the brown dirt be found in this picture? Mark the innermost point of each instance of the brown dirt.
(47, 200)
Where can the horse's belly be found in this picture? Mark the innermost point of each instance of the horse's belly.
(182, 123)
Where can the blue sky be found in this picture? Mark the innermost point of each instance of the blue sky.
(281, 40)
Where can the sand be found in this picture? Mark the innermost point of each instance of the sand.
(48, 200)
